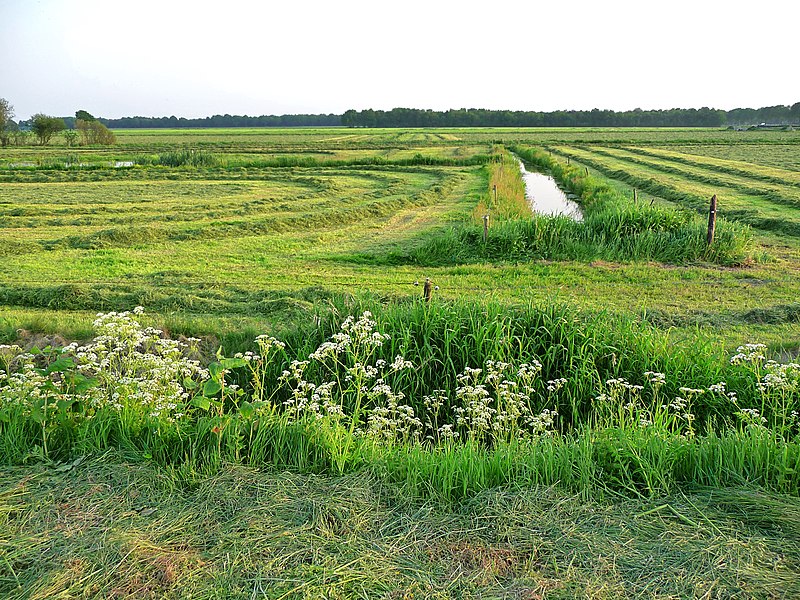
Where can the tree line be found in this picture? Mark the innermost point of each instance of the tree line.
(413, 117)
(478, 117)
(86, 129)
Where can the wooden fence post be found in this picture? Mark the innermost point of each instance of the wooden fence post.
(494, 189)
(712, 220)
(485, 228)
(635, 198)
(427, 290)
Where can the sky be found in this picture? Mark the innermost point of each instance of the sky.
(198, 58)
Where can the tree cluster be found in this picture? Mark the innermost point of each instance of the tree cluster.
(92, 131)
(7, 124)
(45, 127)
(767, 114)
(84, 126)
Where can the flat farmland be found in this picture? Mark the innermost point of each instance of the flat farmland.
(277, 214)
(602, 408)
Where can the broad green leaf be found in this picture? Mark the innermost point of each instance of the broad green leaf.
(247, 410)
(85, 384)
(59, 366)
(233, 363)
(37, 414)
(215, 369)
(211, 388)
(201, 403)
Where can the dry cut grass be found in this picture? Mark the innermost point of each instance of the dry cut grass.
(109, 529)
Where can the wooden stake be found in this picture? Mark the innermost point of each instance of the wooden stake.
(568, 160)
(635, 198)
(587, 171)
(712, 220)
(427, 290)
(494, 189)
(485, 228)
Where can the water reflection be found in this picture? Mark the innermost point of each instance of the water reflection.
(545, 197)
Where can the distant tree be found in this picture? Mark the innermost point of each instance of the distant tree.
(84, 116)
(45, 127)
(70, 137)
(350, 118)
(94, 132)
(21, 137)
(794, 112)
(6, 116)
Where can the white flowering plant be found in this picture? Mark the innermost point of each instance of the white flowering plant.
(129, 370)
(131, 385)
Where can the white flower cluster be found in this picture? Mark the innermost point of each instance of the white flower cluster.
(780, 377)
(779, 387)
(307, 398)
(655, 378)
(620, 383)
(749, 353)
(139, 367)
(682, 408)
(392, 422)
(752, 418)
(497, 405)
(33, 392)
(354, 334)
(353, 380)
(124, 366)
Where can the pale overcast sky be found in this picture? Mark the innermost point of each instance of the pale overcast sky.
(197, 58)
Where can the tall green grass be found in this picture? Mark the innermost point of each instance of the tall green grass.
(598, 462)
(601, 445)
(183, 158)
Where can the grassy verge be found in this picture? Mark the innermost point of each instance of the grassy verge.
(457, 398)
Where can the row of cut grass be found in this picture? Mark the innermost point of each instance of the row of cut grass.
(749, 170)
(784, 192)
(753, 210)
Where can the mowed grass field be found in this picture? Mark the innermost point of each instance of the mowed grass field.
(283, 215)
(564, 419)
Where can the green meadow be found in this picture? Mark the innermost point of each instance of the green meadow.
(277, 212)
(605, 408)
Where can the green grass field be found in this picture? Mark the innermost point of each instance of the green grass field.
(138, 234)
(608, 447)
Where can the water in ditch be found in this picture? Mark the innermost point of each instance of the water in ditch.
(546, 198)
